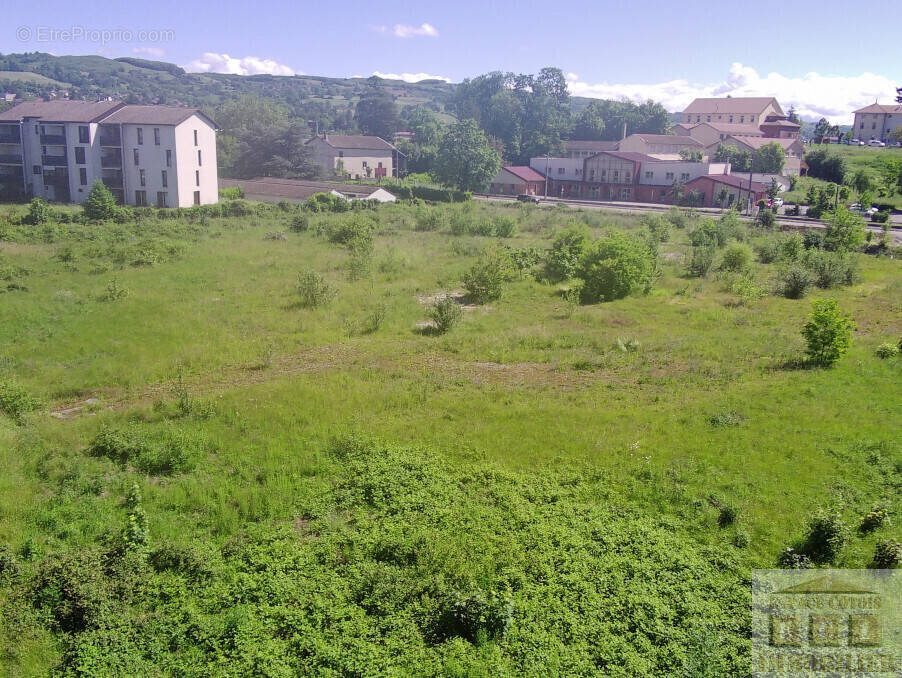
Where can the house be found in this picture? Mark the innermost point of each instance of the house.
(575, 148)
(357, 156)
(792, 147)
(516, 180)
(613, 175)
(565, 175)
(708, 134)
(877, 121)
(659, 144)
(160, 155)
(273, 189)
(732, 110)
(660, 181)
(724, 190)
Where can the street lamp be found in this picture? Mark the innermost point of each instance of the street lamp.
(546, 175)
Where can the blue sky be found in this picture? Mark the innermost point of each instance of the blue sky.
(827, 57)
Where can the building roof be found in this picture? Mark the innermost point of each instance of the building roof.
(597, 146)
(667, 139)
(61, 110)
(748, 105)
(629, 155)
(881, 108)
(153, 115)
(758, 142)
(525, 173)
(731, 128)
(782, 123)
(356, 142)
(297, 189)
(731, 180)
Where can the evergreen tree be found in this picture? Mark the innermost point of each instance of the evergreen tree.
(100, 203)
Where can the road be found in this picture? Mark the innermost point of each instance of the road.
(786, 223)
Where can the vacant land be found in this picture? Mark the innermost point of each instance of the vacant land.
(207, 472)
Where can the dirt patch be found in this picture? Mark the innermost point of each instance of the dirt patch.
(459, 297)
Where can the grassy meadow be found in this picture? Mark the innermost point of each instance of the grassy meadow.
(204, 477)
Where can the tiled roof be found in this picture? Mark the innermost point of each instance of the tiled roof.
(881, 108)
(61, 110)
(748, 105)
(152, 115)
(730, 180)
(732, 128)
(758, 142)
(782, 123)
(597, 146)
(357, 142)
(525, 173)
(629, 155)
(668, 139)
(274, 187)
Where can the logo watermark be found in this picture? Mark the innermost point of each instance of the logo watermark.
(101, 36)
(827, 623)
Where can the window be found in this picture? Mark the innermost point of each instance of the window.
(36, 130)
(161, 199)
(741, 118)
(36, 169)
(137, 157)
(862, 126)
(649, 175)
(197, 197)
(142, 178)
(84, 134)
(197, 177)
(708, 118)
(156, 136)
(80, 155)
(140, 136)
(195, 137)
(83, 176)
(141, 198)
(560, 170)
(731, 118)
(698, 118)
(364, 163)
(669, 176)
(684, 176)
(168, 158)
(199, 161)
(165, 179)
(380, 165)
(751, 118)
(663, 192)
(341, 154)
(873, 125)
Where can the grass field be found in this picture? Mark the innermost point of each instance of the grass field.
(547, 489)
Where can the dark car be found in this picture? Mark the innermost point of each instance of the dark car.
(523, 197)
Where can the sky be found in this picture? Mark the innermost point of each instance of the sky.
(825, 58)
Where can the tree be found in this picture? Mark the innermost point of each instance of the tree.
(722, 195)
(824, 129)
(100, 203)
(465, 160)
(845, 231)
(828, 333)
(590, 125)
(376, 114)
(769, 159)
(825, 165)
(424, 123)
(739, 159)
(861, 182)
(895, 135)
(691, 155)
(773, 190)
(615, 266)
(793, 116)
(890, 170)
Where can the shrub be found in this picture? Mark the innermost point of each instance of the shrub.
(766, 219)
(677, 217)
(658, 225)
(16, 401)
(845, 232)
(813, 240)
(39, 212)
(300, 222)
(790, 559)
(726, 515)
(736, 257)
(313, 290)
(566, 250)
(831, 269)
(793, 210)
(701, 261)
(827, 536)
(504, 226)
(887, 554)
(769, 250)
(880, 217)
(172, 451)
(747, 290)
(355, 227)
(741, 539)
(231, 193)
(445, 314)
(877, 517)
(484, 282)
(794, 281)
(792, 248)
(476, 617)
(361, 261)
(887, 350)
(828, 333)
(615, 266)
(278, 236)
(114, 291)
(100, 203)
(429, 219)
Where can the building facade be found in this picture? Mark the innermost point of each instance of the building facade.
(517, 180)
(357, 156)
(877, 121)
(732, 110)
(146, 155)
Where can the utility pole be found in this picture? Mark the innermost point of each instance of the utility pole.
(546, 175)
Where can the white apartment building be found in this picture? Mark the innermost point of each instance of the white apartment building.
(146, 155)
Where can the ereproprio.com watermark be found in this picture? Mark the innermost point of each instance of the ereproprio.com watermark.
(100, 36)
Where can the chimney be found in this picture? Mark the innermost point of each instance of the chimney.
(624, 132)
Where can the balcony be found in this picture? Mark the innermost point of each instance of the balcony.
(112, 180)
(10, 139)
(110, 161)
(53, 139)
(110, 136)
(54, 160)
(10, 159)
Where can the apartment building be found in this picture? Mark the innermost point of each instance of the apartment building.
(357, 156)
(146, 155)
(666, 145)
(732, 110)
(877, 121)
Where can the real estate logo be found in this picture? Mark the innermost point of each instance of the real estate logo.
(827, 623)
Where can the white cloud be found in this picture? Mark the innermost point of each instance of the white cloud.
(212, 62)
(813, 95)
(408, 31)
(156, 52)
(408, 77)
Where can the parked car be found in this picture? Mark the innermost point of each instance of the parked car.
(856, 207)
(778, 202)
(857, 142)
(524, 197)
(876, 143)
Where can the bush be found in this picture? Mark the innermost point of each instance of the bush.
(766, 219)
(769, 250)
(877, 517)
(880, 217)
(794, 281)
(39, 212)
(173, 451)
(790, 559)
(504, 226)
(615, 266)
(701, 261)
(355, 227)
(313, 290)
(476, 617)
(747, 290)
(845, 232)
(677, 217)
(828, 333)
(484, 282)
(887, 554)
(300, 222)
(15, 401)
(741, 539)
(445, 314)
(658, 225)
(831, 269)
(736, 257)
(827, 536)
(100, 203)
(567, 249)
(813, 240)
(887, 350)
(791, 248)
(793, 210)
(231, 193)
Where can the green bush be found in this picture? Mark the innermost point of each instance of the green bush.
(300, 222)
(658, 225)
(476, 617)
(701, 261)
(887, 554)
(355, 227)
(877, 517)
(484, 282)
(16, 401)
(794, 281)
(887, 350)
(826, 537)
(828, 333)
(167, 453)
(677, 217)
(736, 258)
(313, 290)
(766, 219)
(769, 250)
(792, 248)
(790, 559)
(39, 212)
(880, 217)
(615, 266)
(100, 203)
(231, 193)
(445, 314)
(831, 269)
(567, 249)
(504, 226)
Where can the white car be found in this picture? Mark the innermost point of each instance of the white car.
(876, 143)
(778, 202)
(856, 207)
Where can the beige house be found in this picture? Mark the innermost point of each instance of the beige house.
(668, 145)
(710, 133)
(732, 110)
(357, 156)
(145, 155)
(877, 121)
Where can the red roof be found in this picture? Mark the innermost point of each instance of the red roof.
(525, 173)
